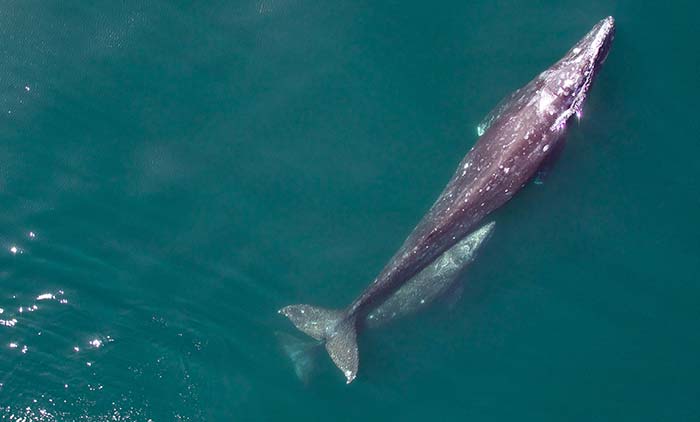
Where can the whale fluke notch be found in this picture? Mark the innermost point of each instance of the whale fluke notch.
(333, 327)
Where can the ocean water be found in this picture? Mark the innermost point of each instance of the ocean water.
(171, 174)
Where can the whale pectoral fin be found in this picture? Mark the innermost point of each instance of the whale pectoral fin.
(507, 106)
(336, 328)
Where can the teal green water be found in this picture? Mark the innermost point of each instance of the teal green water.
(171, 175)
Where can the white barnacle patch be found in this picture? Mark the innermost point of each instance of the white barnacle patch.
(545, 148)
(545, 101)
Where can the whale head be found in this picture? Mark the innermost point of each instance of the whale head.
(571, 77)
(560, 91)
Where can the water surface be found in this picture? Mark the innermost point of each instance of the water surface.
(171, 175)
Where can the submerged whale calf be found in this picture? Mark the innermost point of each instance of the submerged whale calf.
(437, 280)
(434, 281)
(515, 139)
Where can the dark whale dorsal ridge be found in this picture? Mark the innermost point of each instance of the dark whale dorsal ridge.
(515, 139)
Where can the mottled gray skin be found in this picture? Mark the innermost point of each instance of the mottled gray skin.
(516, 137)
(435, 281)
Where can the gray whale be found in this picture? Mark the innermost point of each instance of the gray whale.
(433, 282)
(515, 139)
(438, 280)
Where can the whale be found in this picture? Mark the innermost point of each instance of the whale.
(435, 281)
(442, 279)
(514, 140)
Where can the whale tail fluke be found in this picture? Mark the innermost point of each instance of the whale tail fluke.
(332, 326)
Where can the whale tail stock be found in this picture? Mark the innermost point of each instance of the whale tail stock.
(336, 328)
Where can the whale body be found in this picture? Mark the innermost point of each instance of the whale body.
(515, 139)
